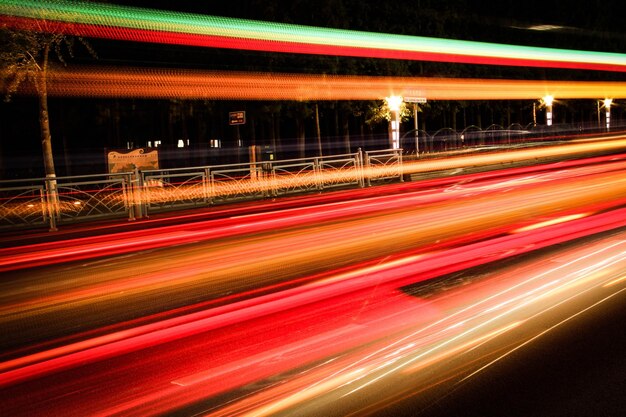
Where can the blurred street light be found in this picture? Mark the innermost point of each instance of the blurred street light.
(547, 101)
(394, 102)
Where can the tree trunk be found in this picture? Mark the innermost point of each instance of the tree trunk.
(46, 144)
(252, 130)
(453, 115)
(508, 114)
(171, 117)
(117, 135)
(183, 122)
(362, 134)
(336, 134)
(318, 131)
(274, 133)
(44, 121)
(346, 132)
(301, 138)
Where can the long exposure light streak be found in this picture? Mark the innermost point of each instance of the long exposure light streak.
(377, 312)
(196, 84)
(537, 336)
(432, 224)
(507, 304)
(348, 204)
(343, 306)
(145, 25)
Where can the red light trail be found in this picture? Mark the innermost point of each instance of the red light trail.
(145, 25)
(268, 308)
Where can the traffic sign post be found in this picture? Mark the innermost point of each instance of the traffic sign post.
(416, 101)
(237, 118)
(416, 126)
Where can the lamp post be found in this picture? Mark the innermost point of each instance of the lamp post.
(547, 101)
(394, 102)
(607, 107)
(416, 128)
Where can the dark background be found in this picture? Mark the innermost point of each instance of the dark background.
(84, 129)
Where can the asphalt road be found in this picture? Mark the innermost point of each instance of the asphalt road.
(577, 370)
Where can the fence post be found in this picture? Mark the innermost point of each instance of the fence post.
(318, 172)
(359, 166)
(206, 186)
(137, 194)
(367, 169)
(52, 201)
(129, 195)
(269, 173)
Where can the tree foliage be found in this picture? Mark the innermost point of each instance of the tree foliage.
(378, 111)
(25, 56)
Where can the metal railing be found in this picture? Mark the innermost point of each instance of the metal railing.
(41, 202)
(173, 188)
(230, 183)
(383, 165)
(22, 204)
(494, 136)
(60, 200)
(184, 187)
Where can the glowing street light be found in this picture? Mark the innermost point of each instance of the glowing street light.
(394, 102)
(547, 101)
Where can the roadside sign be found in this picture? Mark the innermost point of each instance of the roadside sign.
(421, 100)
(237, 118)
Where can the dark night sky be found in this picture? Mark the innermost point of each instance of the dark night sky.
(588, 25)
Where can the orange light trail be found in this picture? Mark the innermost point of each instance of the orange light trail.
(196, 84)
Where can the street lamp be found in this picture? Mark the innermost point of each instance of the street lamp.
(394, 102)
(607, 106)
(547, 101)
